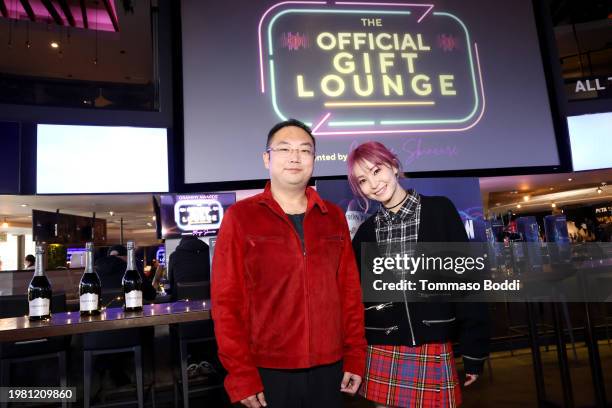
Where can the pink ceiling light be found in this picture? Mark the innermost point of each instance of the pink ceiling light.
(87, 14)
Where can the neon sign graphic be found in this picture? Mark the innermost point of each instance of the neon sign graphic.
(370, 68)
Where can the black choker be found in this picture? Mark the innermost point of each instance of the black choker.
(400, 203)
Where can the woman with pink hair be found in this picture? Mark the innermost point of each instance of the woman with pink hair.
(410, 359)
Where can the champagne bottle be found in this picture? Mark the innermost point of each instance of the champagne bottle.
(89, 288)
(132, 282)
(39, 291)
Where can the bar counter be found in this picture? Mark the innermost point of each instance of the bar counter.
(61, 324)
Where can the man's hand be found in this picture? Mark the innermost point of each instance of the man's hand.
(255, 401)
(350, 383)
(469, 379)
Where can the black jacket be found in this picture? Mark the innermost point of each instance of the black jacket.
(190, 262)
(420, 323)
(111, 269)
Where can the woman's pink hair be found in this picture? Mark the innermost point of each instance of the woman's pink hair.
(376, 153)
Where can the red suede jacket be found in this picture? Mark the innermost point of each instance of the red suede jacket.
(278, 305)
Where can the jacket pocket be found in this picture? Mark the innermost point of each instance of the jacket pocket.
(438, 321)
(387, 330)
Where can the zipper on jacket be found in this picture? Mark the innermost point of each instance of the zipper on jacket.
(409, 320)
(387, 330)
(380, 306)
(430, 322)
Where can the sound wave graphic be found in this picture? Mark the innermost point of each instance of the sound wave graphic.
(447, 42)
(294, 42)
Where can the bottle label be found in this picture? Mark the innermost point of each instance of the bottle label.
(39, 307)
(88, 302)
(133, 298)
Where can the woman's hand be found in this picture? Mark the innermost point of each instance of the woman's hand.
(470, 379)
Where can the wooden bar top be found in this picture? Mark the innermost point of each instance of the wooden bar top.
(62, 324)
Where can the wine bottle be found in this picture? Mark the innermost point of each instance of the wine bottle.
(39, 291)
(132, 282)
(90, 289)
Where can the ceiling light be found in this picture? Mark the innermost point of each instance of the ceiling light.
(551, 188)
(553, 205)
(154, 218)
(518, 206)
(111, 213)
(24, 205)
(599, 190)
(526, 198)
(149, 224)
(570, 179)
(5, 224)
(54, 44)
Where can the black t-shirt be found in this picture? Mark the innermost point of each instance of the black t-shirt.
(298, 222)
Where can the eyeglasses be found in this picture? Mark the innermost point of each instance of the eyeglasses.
(284, 152)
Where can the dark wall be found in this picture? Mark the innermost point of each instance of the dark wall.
(9, 158)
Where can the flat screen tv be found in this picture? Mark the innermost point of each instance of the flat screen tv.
(100, 159)
(193, 214)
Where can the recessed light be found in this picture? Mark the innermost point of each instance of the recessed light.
(111, 213)
(518, 206)
(54, 44)
(526, 198)
(24, 205)
(570, 179)
(149, 224)
(497, 204)
(154, 218)
(553, 205)
(551, 188)
(599, 190)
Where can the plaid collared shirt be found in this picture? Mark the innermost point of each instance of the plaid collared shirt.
(398, 233)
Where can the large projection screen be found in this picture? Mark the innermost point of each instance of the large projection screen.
(454, 85)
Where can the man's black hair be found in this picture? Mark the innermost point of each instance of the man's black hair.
(30, 259)
(286, 123)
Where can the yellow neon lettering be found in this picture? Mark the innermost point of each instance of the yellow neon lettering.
(329, 44)
(357, 85)
(447, 85)
(379, 43)
(344, 39)
(384, 61)
(425, 89)
(359, 40)
(327, 90)
(422, 46)
(343, 63)
(409, 57)
(302, 92)
(398, 85)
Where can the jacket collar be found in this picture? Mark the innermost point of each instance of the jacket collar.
(313, 199)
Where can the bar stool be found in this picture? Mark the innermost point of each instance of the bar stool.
(185, 334)
(113, 342)
(32, 350)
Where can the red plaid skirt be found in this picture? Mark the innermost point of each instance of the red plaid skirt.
(424, 376)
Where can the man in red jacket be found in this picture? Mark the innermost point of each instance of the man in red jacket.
(286, 298)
